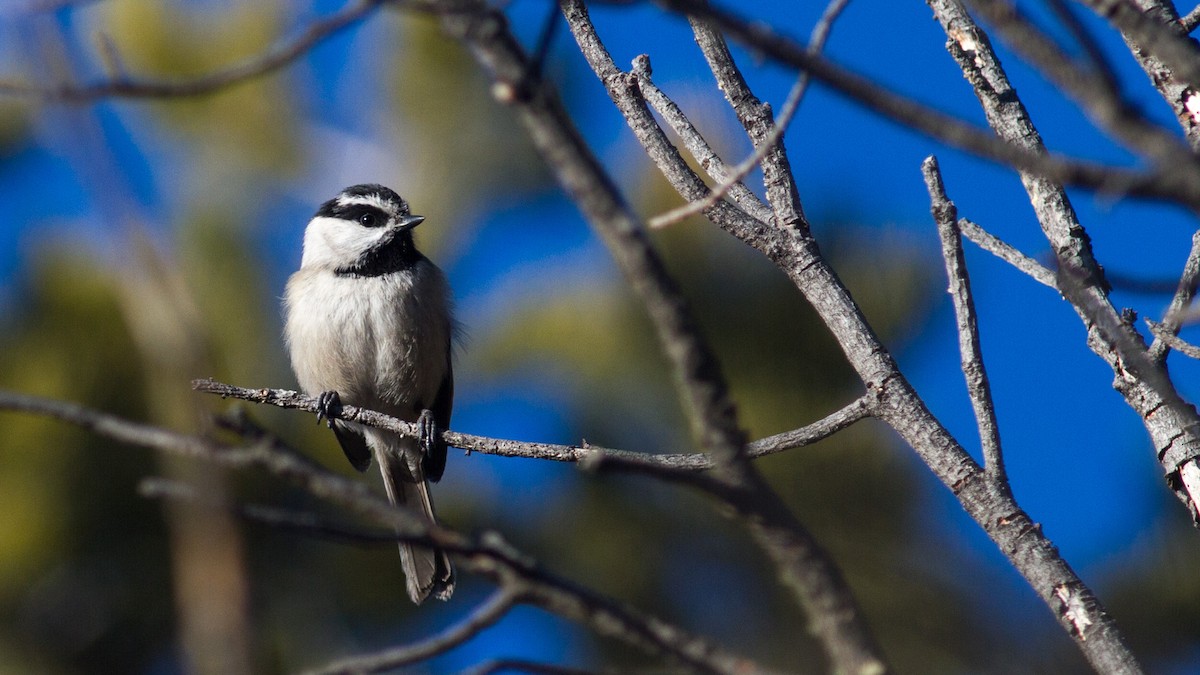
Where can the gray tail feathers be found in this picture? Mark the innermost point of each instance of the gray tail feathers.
(426, 570)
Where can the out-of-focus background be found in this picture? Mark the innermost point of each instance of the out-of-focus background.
(146, 243)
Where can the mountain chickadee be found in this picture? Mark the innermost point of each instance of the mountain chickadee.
(368, 322)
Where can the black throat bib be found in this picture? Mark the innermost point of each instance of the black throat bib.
(394, 254)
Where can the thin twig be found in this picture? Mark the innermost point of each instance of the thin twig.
(816, 43)
(978, 388)
(1167, 337)
(275, 58)
(1184, 293)
(303, 522)
(484, 617)
(1191, 20)
(589, 456)
(859, 409)
(696, 145)
(631, 93)
(756, 118)
(1006, 252)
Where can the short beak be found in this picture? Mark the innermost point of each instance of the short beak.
(409, 222)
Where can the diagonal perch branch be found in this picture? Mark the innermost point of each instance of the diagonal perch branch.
(587, 456)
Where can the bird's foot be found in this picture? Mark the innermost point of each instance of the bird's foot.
(427, 432)
(329, 406)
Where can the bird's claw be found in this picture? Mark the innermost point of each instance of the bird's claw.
(427, 432)
(329, 406)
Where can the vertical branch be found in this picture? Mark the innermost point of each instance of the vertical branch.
(1172, 423)
(980, 392)
(758, 121)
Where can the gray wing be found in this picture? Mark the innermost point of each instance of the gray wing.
(354, 445)
(435, 462)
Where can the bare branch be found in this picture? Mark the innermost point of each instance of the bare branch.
(810, 574)
(1184, 293)
(1191, 20)
(1165, 336)
(1001, 249)
(1164, 41)
(757, 120)
(1176, 92)
(859, 409)
(627, 92)
(588, 456)
(980, 392)
(1172, 424)
(994, 509)
(1094, 89)
(816, 43)
(1030, 552)
(487, 555)
(699, 148)
(1171, 421)
(484, 617)
(275, 58)
(1160, 183)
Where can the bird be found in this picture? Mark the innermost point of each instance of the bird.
(368, 321)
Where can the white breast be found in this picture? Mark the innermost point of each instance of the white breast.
(380, 342)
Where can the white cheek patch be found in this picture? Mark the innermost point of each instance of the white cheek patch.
(331, 242)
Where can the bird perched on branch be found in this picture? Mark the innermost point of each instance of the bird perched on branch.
(368, 323)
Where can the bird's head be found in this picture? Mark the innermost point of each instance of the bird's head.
(356, 229)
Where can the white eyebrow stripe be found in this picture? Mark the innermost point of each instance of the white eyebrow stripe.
(387, 206)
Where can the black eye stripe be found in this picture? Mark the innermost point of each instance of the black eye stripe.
(356, 209)
(355, 213)
(367, 216)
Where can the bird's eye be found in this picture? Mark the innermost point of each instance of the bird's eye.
(367, 220)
